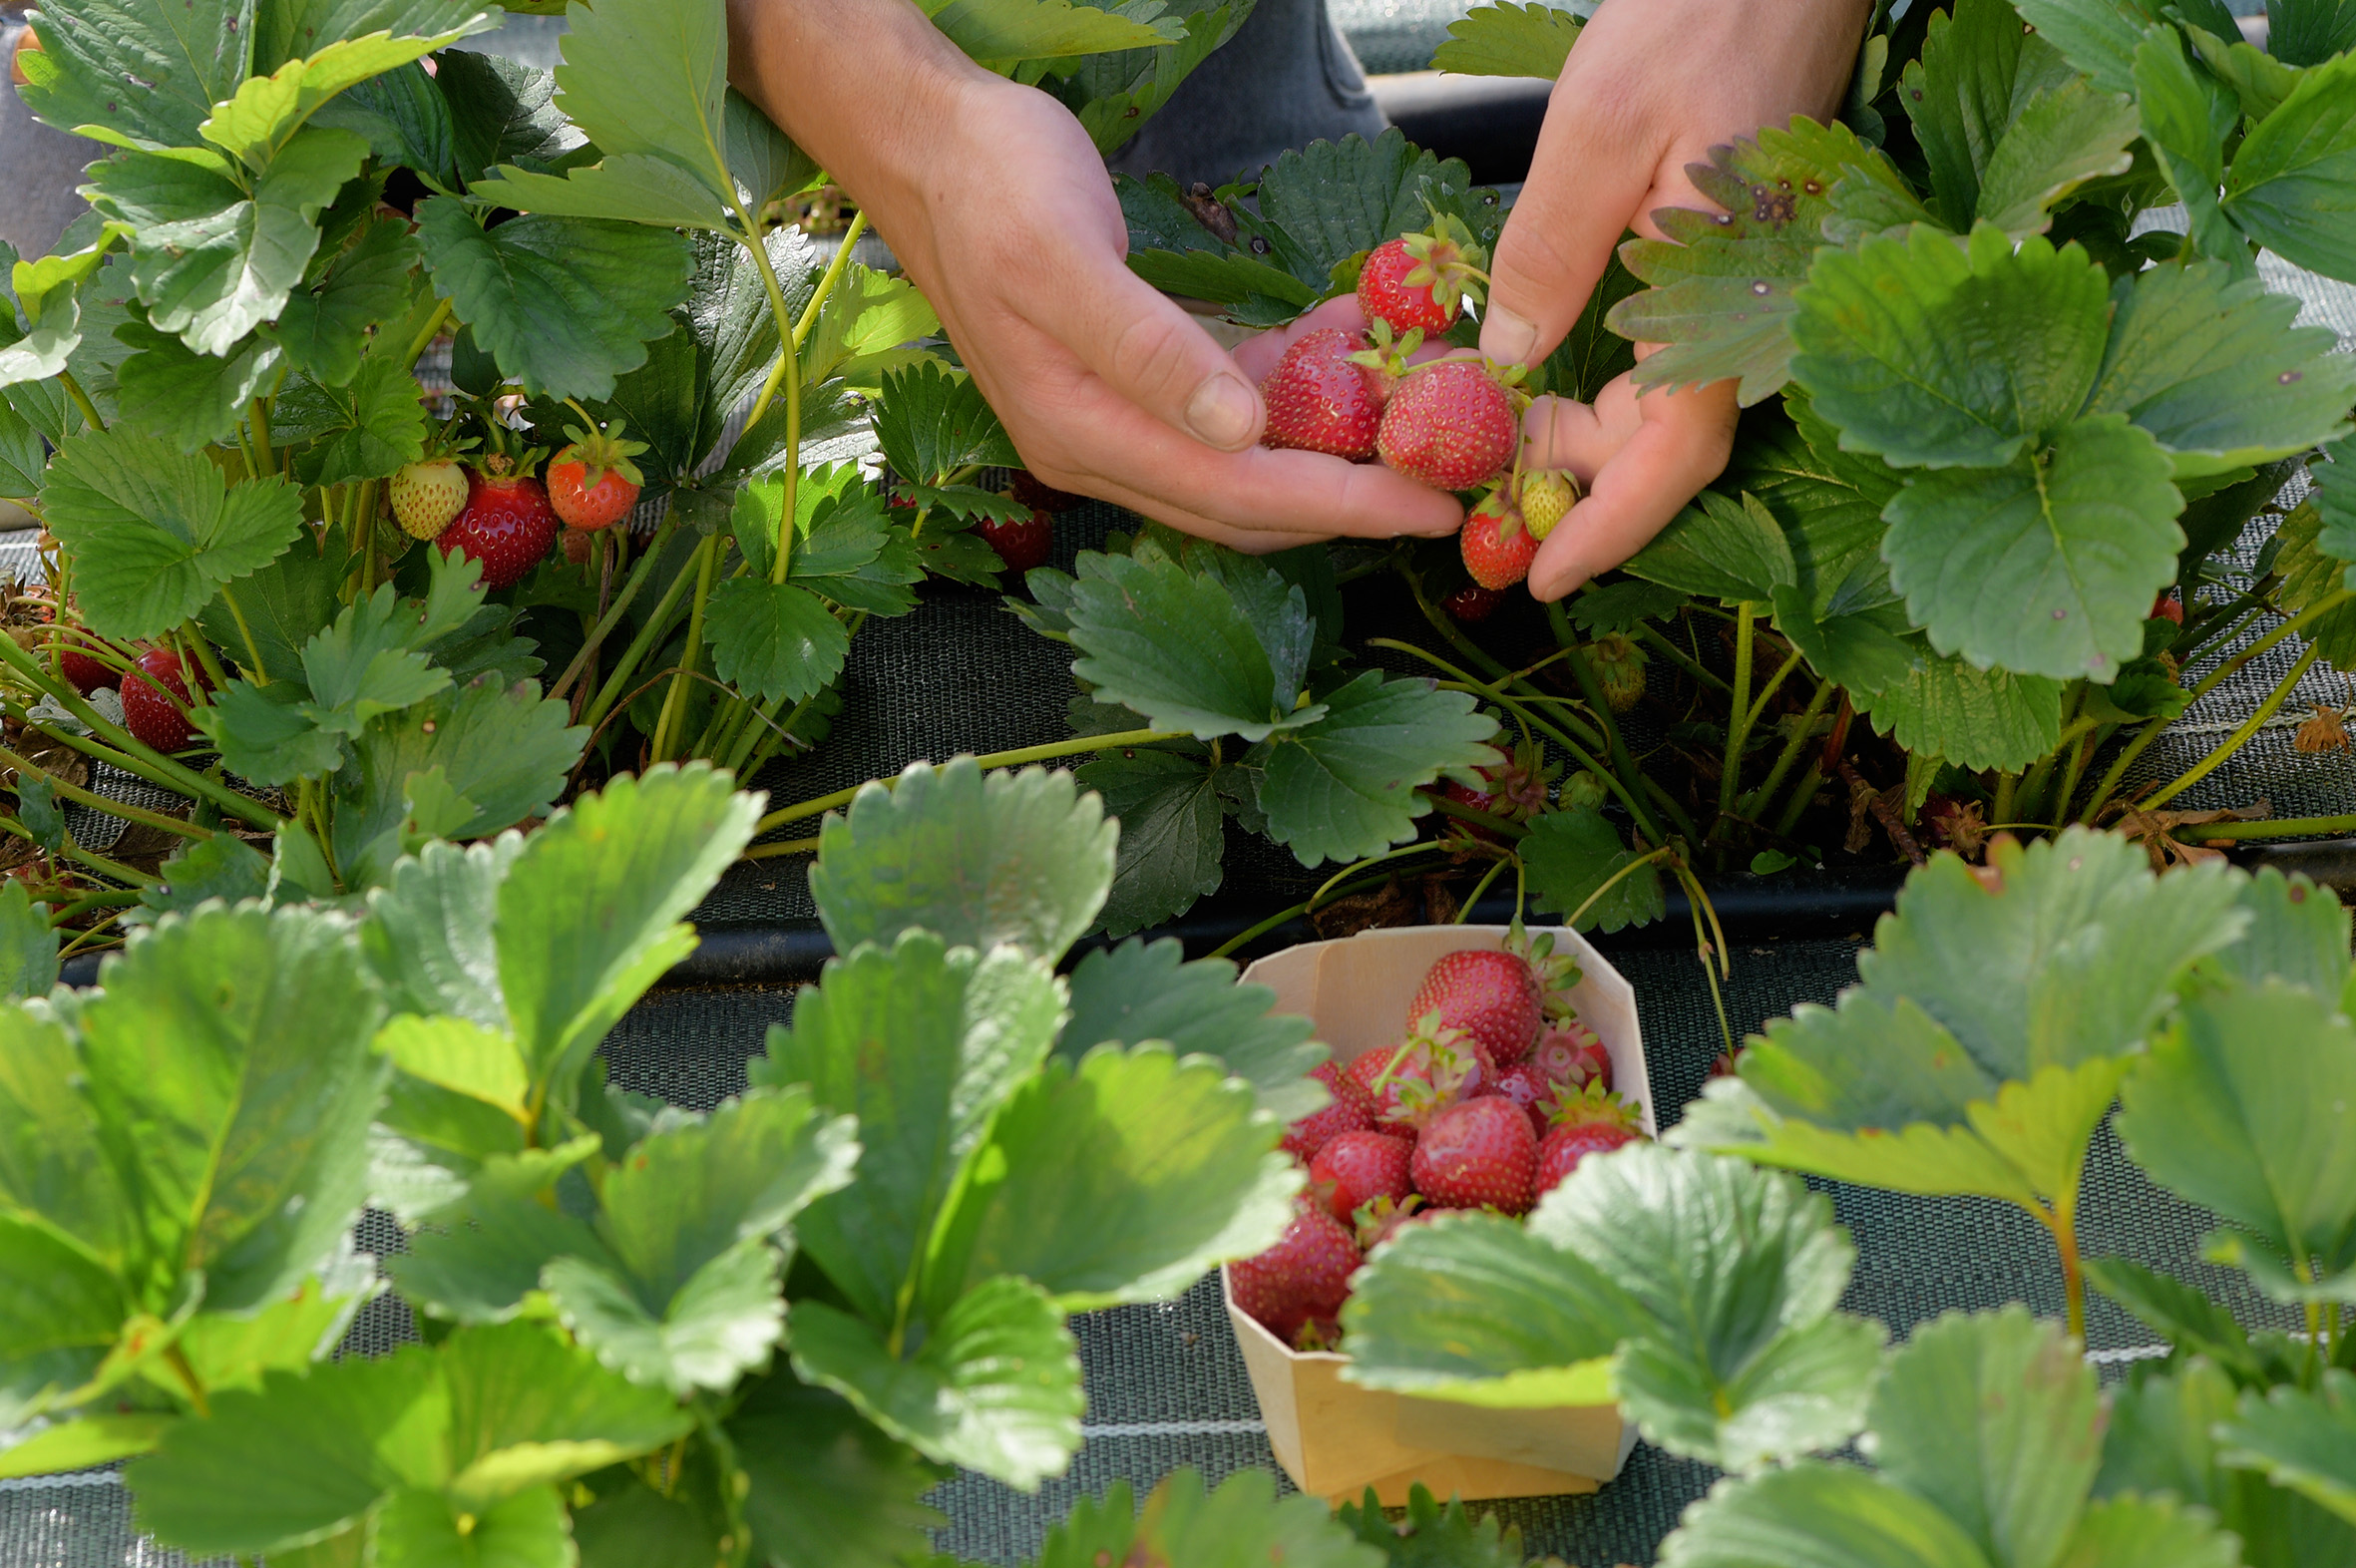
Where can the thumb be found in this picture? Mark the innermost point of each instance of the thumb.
(1586, 183)
(1150, 352)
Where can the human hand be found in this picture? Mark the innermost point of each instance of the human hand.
(1647, 90)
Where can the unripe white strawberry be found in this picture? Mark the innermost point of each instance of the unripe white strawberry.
(1546, 494)
(428, 496)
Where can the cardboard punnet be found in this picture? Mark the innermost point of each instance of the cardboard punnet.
(1335, 1438)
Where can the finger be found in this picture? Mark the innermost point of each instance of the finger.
(1588, 178)
(1681, 445)
(1259, 354)
(1146, 349)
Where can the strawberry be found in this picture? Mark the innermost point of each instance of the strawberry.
(1472, 604)
(1021, 542)
(1403, 1085)
(1618, 665)
(84, 672)
(1314, 1131)
(428, 496)
(1358, 1167)
(1595, 1122)
(2168, 606)
(1379, 1219)
(1481, 1153)
(592, 483)
(1298, 1285)
(1497, 549)
(507, 525)
(1450, 425)
(1516, 789)
(1319, 400)
(1419, 282)
(1528, 1085)
(151, 716)
(1492, 997)
(1026, 488)
(1544, 497)
(1569, 1052)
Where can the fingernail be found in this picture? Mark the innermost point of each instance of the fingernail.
(1508, 338)
(1222, 412)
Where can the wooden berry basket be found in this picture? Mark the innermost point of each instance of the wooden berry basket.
(1335, 1438)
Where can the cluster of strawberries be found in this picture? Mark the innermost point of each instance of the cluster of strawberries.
(1493, 1097)
(495, 509)
(1452, 423)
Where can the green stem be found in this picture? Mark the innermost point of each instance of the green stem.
(2240, 736)
(2081, 754)
(74, 851)
(751, 240)
(2008, 787)
(1252, 932)
(808, 846)
(425, 337)
(81, 399)
(1447, 629)
(1796, 805)
(1079, 746)
(1697, 902)
(735, 1486)
(1494, 691)
(1755, 803)
(1464, 913)
(2279, 828)
(1599, 704)
(1648, 634)
(87, 902)
(254, 671)
(613, 614)
(260, 416)
(205, 656)
(1610, 882)
(619, 681)
(1420, 847)
(1487, 820)
(113, 808)
(674, 701)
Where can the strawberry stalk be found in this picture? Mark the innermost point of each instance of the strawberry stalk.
(707, 557)
(1079, 746)
(613, 614)
(113, 808)
(1600, 705)
(618, 683)
(72, 851)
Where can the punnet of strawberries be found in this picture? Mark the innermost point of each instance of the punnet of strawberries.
(1493, 1094)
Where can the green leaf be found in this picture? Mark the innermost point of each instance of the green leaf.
(1139, 992)
(212, 261)
(1974, 719)
(501, 112)
(2310, 576)
(933, 421)
(1019, 858)
(829, 1489)
(621, 188)
(864, 326)
(2192, 1323)
(1721, 548)
(2242, 1108)
(1350, 785)
(1430, 1536)
(185, 59)
(405, 121)
(1002, 32)
(965, 1030)
(155, 533)
(256, 123)
(191, 400)
(266, 734)
(23, 456)
(28, 947)
(1995, 1418)
(325, 326)
(489, 1259)
(1506, 39)
(48, 291)
(564, 304)
(2292, 184)
(221, 867)
(1240, 1525)
(2304, 1439)
(995, 1388)
(1190, 652)
(1570, 853)
(1838, 1516)
(1173, 834)
(2154, 1532)
(2047, 565)
(283, 604)
(1866, 654)
(1623, 606)
(588, 914)
(1331, 201)
(2061, 138)
(2310, 32)
(1119, 1180)
(1935, 355)
(2099, 37)
(2188, 117)
(229, 1054)
(420, 1529)
(774, 640)
(84, 1442)
(722, 1321)
(2298, 932)
(422, 935)
(2214, 368)
(1978, 74)
(1723, 281)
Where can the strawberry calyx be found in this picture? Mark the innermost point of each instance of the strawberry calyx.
(1448, 260)
(1593, 1106)
(1558, 972)
(1385, 355)
(600, 450)
(1381, 1217)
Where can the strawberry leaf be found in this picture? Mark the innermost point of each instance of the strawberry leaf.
(1879, 1525)
(28, 947)
(1725, 549)
(2097, 37)
(184, 57)
(774, 640)
(1020, 858)
(1139, 992)
(405, 121)
(2044, 567)
(367, 429)
(933, 421)
(2312, 574)
(1570, 853)
(1975, 718)
(1324, 205)
(967, 1029)
(2335, 501)
(1434, 1537)
(191, 400)
(564, 306)
(1980, 70)
(155, 533)
(2187, 118)
(504, 113)
(820, 1472)
(2301, 1438)
(2064, 137)
(2289, 186)
(1173, 834)
(1935, 355)
(254, 124)
(1243, 1522)
(1115, 92)
(1190, 652)
(994, 1386)
(2310, 32)
(1508, 39)
(2297, 934)
(1351, 784)
(325, 326)
(1000, 33)
(23, 456)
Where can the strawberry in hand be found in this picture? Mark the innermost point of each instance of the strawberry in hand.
(592, 484)
(1421, 282)
(1321, 398)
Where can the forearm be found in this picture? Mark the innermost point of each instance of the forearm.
(867, 88)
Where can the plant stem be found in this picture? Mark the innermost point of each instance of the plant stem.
(255, 672)
(1494, 691)
(74, 851)
(425, 337)
(1487, 820)
(1754, 804)
(674, 701)
(1420, 847)
(200, 647)
(1696, 902)
(87, 902)
(113, 808)
(1251, 932)
(619, 681)
(613, 614)
(1447, 629)
(81, 399)
(2062, 1220)
(1464, 913)
(1592, 689)
(832, 276)
(2082, 753)
(2008, 787)
(808, 846)
(2278, 828)
(1730, 776)
(1796, 804)
(2233, 742)
(1609, 882)
(1079, 746)
(260, 415)
(1682, 658)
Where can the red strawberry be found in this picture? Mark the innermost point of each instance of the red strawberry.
(1479, 1154)
(507, 525)
(1021, 543)
(1497, 549)
(1319, 400)
(1314, 1131)
(1518, 789)
(1450, 425)
(1358, 1167)
(1526, 1085)
(1300, 1284)
(592, 483)
(1472, 604)
(1491, 995)
(1382, 1218)
(426, 496)
(1594, 1123)
(83, 670)
(1401, 1086)
(1419, 282)
(2168, 606)
(1026, 488)
(1570, 1052)
(147, 713)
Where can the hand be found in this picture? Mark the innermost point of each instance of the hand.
(1648, 89)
